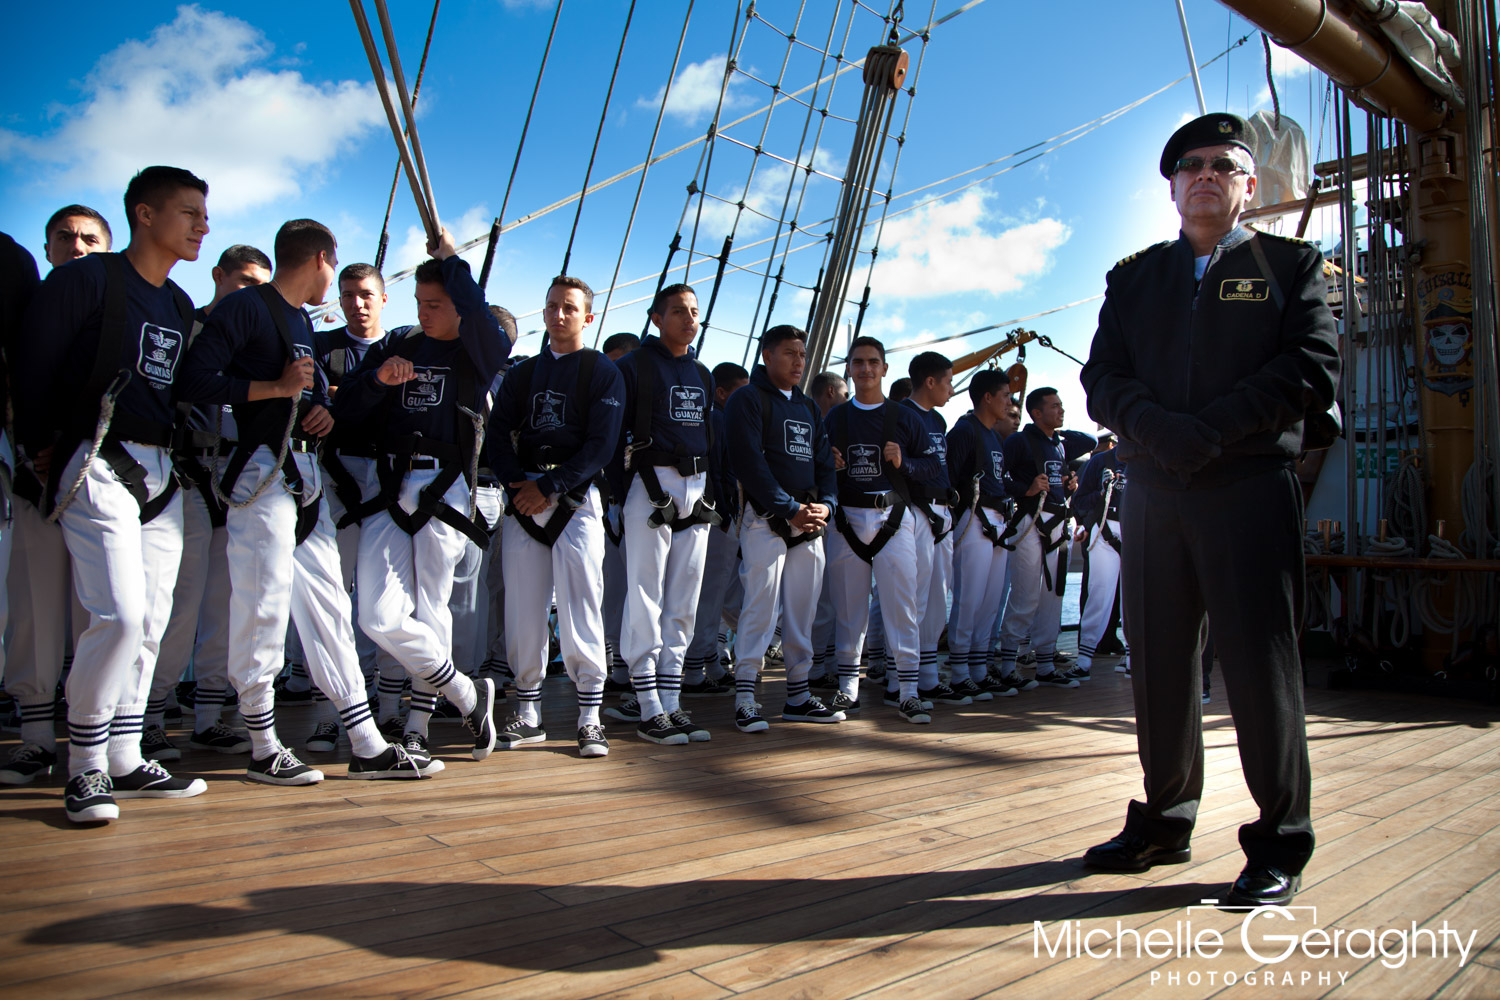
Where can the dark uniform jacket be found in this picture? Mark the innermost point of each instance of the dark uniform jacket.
(1219, 348)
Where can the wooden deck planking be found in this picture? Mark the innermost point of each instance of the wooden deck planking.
(871, 858)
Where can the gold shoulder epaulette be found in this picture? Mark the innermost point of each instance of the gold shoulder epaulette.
(1141, 253)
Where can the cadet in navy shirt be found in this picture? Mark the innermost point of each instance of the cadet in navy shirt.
(668, 398)
(119, 316)
(415, 389)
(780, 454)
(1039, 455)
(879, 444)
(565, 407)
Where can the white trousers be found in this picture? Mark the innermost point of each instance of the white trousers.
(573, 569)
(665, 571)
(721, 567)
(825, 624)
(1099, 597)
(895, 571)
(779, 584)
(1034, 609)
(372, 659)
(198, 629)
(615, 584)
(7, 538)
(405, 581)
(934, 580)
(123, 572)
(273, 579)
(979, 586)
(41, 588)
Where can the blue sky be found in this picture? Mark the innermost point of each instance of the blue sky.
(273, 104)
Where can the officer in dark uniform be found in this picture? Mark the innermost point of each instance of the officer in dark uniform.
(1210, 350)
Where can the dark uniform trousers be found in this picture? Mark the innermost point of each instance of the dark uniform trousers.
(1197, 569)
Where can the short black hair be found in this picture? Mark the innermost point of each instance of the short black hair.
(242, 255)
(900, 389)
(429, 272)
(300, 240)
(620, 342)
(822, 381)
(567, 281)
(987, 382)
(152, 186)
(666, 293)
(359, 272)
(1035, 396)
(866, 342)
(506, 319)
(928, 364)
(79, 212)
(727, 373)
(776, 334)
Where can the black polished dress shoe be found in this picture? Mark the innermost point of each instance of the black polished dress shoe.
(1260, 885)
(1131, 853)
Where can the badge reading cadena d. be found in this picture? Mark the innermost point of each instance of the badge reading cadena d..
(1244, 290)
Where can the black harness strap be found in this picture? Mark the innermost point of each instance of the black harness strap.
(644, 459)
(567, 503)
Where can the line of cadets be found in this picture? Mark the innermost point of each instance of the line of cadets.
(223, 480)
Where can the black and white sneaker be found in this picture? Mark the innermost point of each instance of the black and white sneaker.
(151, 781)
(628, 710)
(942, 694)
(393, 728)
(221, 739)
(891, 698)
(285, 695)
(156, 746)
(968, 689)
(747, 719)
(911, 710)
(685, 724)
(659, 729)
(282, 768)
(591, 741)
(1063, 662)
(1075, 673)
(824, 682)
(775, 652)
(446, 711)
(998, 686)
(1020, 683)
(811, 710)
(841, 702)
(89, 798)
(325, 738)
(612, 686)
(26, 762)
(481, 721)
(1056, 679)
(1122, 668)
(392, 763)
(416, 748)
(517, 733)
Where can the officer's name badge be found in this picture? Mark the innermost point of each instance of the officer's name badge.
(1244, 290)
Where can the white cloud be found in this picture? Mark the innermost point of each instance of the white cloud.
(413, 249)
(194, 95)
(767, 194)
(695, 91)
(945, 249)
(1286, 65)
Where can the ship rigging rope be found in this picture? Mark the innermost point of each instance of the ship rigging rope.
(594, 152)
(650, 148)
(515, 164)
(416, 88)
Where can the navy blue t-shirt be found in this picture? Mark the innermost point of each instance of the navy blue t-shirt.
(681, 398)
(1056, 452)
(860, 434)
(780, 454)
(973, 447)
(60, 338)
(937, 437)
(239, 345)
(540, 403)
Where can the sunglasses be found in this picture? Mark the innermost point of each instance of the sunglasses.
(1223, 165)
